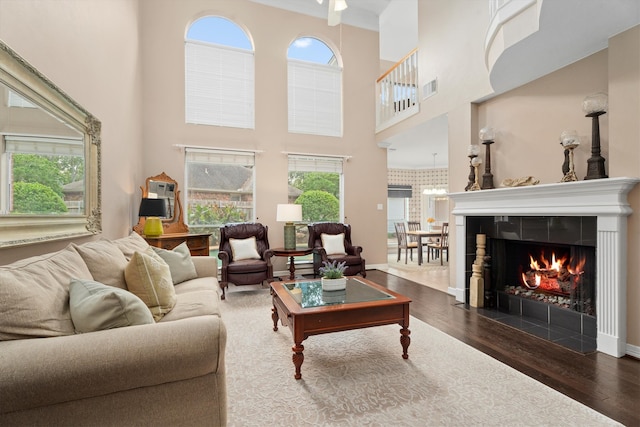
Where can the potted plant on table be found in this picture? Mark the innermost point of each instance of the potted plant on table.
(332, 276)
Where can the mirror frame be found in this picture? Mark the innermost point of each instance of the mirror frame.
(19, 230)
(172, 225)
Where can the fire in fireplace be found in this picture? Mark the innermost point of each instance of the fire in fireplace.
(556, 280)
(560, 275)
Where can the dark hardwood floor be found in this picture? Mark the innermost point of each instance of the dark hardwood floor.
(609, 385)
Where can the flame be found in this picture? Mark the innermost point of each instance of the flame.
(557, 266)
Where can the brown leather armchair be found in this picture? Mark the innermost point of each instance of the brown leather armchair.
(252, 263)
(354, 262)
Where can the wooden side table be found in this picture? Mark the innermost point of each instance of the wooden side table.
(198, 243)
(292, 253)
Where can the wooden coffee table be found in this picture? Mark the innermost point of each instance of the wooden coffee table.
(362, 305)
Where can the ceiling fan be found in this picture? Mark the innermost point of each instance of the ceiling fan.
(335, 11)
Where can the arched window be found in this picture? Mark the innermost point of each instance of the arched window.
(314, 88)
(219, 74)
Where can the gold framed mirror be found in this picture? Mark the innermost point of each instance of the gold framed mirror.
(49, 159)
(164, 187)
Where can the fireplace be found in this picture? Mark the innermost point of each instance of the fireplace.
(559, 275)
(582, 218)
(540, 275)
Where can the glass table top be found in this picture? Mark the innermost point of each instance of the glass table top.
(314, 296)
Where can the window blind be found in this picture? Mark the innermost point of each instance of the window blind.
(315, 98)
(298, 163)
(16, 100)
(44, 146)
(399, 191)
(220, 157)
(219, 85)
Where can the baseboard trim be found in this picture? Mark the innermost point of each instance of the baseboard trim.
(633, 350)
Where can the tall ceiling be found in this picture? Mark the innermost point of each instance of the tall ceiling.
(574, 29)
(414, 148)
(360, 13)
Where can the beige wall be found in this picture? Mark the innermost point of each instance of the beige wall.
(90, 50)
(163, 26)
(124, 61)
(530, 119)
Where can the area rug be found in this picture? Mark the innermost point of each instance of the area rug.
(358, 378)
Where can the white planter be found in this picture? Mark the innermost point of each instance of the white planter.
(334, 284)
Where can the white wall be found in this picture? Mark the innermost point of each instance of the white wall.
(398, 30)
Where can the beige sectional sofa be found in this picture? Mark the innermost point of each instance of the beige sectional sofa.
(70, 358)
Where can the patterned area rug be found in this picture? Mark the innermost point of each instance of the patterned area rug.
(358, 378)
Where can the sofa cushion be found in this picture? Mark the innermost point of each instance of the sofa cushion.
(179, 261)
(131, 244)
(148, 277)
(195, 303)
(95, 306)
(34, 293)
(333, 244)
(105, 261)
(242, 249)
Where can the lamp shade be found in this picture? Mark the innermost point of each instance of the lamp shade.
(596, 103)
(153, 207)
(487, 133)
(289, 213)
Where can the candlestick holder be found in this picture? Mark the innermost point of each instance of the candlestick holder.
(476, 162)
(487, 135)
(595, 106)
(570, 140)
(472, 153)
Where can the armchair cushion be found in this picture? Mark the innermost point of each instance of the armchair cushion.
(95, 307)
(333, 244)
(149, 277)
(244, 249)
(179, 261)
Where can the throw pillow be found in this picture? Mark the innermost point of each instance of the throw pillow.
(333, 244)
(244, 249)
(131, 244)
(179, 261)
(105, 262)
(34, 295)
(149, 277)
(95, 306)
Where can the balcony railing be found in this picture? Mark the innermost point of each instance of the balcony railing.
(397, 92)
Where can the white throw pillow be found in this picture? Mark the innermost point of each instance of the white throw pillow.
(244, 249)
(333, 244)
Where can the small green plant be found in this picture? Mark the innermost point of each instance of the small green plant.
(333, 269)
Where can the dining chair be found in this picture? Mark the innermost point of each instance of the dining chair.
(404, 242)
(440, 246)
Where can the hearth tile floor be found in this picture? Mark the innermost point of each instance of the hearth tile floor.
(556, 334)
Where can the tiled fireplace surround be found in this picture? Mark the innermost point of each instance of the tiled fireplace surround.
(605, 199)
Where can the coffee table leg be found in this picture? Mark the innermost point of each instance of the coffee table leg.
(274, 316)
(405, 340)
(298, 358)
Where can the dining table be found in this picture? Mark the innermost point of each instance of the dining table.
(420, 234)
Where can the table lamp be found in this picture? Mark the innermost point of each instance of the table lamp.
(289, 213)
(152, 209)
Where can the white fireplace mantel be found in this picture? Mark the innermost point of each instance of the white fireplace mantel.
(604, 198)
